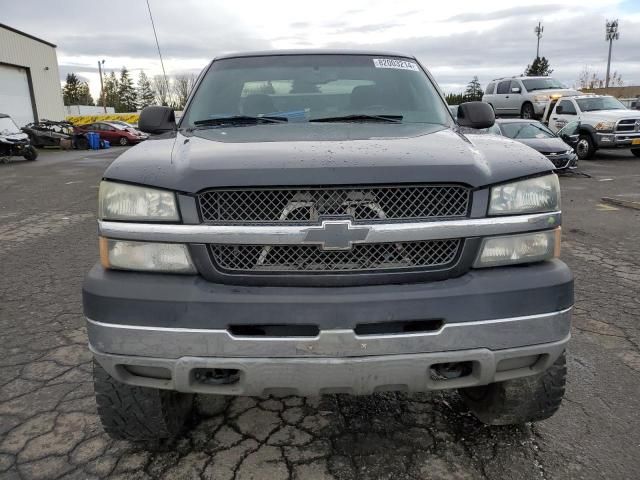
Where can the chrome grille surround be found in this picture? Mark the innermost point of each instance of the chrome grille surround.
(307, 205)
(363, 257)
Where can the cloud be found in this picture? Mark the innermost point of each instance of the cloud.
(456, 40)
(507, 13)
(505, 51)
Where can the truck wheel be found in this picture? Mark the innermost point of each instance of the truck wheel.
(520, 400)
(527, 111)
(135, 413)
(31, 153)
(636, 152)
(585, 148)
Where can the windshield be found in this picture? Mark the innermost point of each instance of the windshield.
(522, 130)
(599, 103)
(302, 88)
(534, 84)
(8, 126)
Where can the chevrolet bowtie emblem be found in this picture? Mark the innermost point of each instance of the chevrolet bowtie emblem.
(336, 235)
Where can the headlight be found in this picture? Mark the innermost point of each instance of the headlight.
(541, 98)
(539, 194)
(146, 257)
(119, 201)
(514, 249)
(605, 126)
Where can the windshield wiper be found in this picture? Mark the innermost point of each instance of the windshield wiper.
(239, 120)
(361, 118)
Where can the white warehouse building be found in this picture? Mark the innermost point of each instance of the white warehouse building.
(29, 79)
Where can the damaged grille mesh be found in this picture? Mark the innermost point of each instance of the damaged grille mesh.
(311, 258)
(308, 205)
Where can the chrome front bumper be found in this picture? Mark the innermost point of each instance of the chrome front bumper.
(618, 140)
(335, 360)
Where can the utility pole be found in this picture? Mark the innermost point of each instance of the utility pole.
(538, 31)
(104, 97)
(612, 34)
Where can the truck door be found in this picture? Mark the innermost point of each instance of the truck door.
(564, 113)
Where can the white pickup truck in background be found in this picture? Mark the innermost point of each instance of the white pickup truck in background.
(602, 122)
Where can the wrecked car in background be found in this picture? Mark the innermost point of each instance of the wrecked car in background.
(48, 133)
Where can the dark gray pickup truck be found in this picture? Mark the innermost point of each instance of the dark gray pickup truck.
(317, 222)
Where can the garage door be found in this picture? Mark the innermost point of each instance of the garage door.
(15, 97)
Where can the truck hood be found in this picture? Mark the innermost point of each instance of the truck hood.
(325, 154)
(610, 115)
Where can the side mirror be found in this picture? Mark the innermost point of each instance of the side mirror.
(476, 115)
(157, 120)
(515, 90)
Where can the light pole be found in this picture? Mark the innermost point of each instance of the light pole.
(104, 97)
(538, 31)
(612, 34)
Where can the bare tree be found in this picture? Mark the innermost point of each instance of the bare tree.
(182, 85)
(161, 90)
(590, 79)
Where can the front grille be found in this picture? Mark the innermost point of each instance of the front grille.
(628, 125)
(308, 205)
(559, 160)
(251, 259)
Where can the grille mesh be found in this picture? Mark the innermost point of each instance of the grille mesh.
(627, 125)
(306, 206)
(311, 258)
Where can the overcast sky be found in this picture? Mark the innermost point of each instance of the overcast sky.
(455, 39)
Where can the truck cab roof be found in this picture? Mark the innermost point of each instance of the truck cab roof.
(311, 51)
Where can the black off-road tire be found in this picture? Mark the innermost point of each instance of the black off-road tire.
(31, 153)
(636, 151)
(521, 400)
(527, 111)
(585, 149)
(139, 414)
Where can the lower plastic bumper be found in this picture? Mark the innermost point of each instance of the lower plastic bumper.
(190, 302)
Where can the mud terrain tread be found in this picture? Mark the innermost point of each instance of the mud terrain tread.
(137, 413)
(520, 400)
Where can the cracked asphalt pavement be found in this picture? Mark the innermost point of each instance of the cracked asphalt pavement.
(48, 423)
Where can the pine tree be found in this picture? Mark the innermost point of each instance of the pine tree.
(84, 95)
(110, 92)
(70, 92)
(454, 98)
(473, 91)
(539, 67)
(127, 101)
(145, 91)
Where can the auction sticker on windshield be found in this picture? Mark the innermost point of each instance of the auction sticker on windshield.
(395, 63)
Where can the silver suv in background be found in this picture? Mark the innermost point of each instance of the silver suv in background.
(523, 96)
